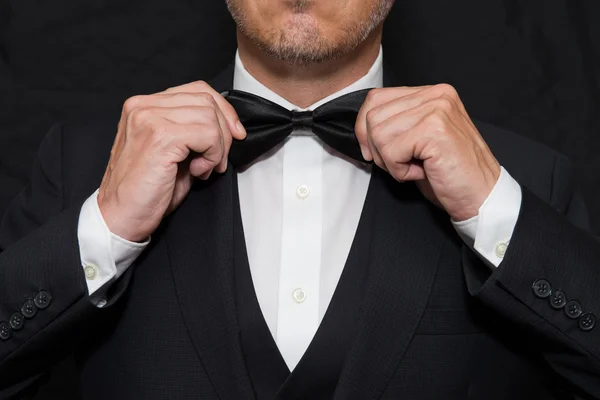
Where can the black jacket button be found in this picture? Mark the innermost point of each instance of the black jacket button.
(5, 331)
(587, 322)
(29, 309)
(573, 309)
(558, 299)
(16, 321)
(42, 300)
(542, 288)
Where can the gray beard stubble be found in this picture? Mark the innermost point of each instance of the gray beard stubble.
(314, 49)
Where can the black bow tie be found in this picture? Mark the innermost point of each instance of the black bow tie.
(268, 124)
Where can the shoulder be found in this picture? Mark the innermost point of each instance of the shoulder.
(532, 164)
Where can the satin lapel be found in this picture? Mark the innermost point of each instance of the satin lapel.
(405, 250)
(200, 240)
(406, 244)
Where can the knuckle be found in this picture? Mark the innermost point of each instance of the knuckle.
(385, 152)
(374, 95)
(372, 116)
(132, 103)
(378, 135)
(447, 89)
(444, 104)
(211, 116)
(206, 99)
(201, 86)
(436, 119)
(139, 117)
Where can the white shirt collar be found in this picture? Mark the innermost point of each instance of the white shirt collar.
(242, 80)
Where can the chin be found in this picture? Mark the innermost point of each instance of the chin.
(301, 27)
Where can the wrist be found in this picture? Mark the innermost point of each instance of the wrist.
(119, 226)
(473, 206)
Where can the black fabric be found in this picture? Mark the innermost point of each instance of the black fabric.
(531, 66)
(435, 321)
(268, 124)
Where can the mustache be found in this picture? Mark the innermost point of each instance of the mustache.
(298, 5)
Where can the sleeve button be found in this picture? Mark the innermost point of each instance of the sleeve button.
(542, 289)
(29, 309)
(587, 322)
(16, 321)
(558, 299)
(42, 300)
(5, 331)
(573, 309)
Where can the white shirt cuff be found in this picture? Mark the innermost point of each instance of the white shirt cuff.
(104, 255)
(489, 232)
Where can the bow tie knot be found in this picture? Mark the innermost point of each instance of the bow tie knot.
(302, 120)
(268, 124)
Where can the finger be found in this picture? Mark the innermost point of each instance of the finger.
(226, 139)
(384, 111)
(405, 156)
(168, 100)
(209, 117)
(375, 98)
(400, 122)
(205, 144)
(375, 155)
(185, 115)
(235, 125)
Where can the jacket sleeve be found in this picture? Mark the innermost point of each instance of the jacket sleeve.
(43, 296)
(548, 284)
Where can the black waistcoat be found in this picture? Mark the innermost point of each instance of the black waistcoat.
(317, 374)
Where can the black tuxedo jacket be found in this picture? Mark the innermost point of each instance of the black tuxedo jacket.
(436, 323)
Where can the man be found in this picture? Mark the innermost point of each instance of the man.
(242, 247)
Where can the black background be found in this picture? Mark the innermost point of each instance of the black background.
(532, 66)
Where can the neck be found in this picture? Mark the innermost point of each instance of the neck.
(305, 85)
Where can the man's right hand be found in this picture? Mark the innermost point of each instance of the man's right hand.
(164, 141)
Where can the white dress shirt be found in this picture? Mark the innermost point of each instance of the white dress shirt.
(300, 205)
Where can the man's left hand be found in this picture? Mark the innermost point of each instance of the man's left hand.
(424, 134)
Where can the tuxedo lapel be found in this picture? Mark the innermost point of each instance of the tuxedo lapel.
(406, 243)
(200, 241)
(199, 236)
(407, 239)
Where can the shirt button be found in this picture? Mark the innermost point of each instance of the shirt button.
(500, 249)
(299, 295)
(90, 272)
(302, 192)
